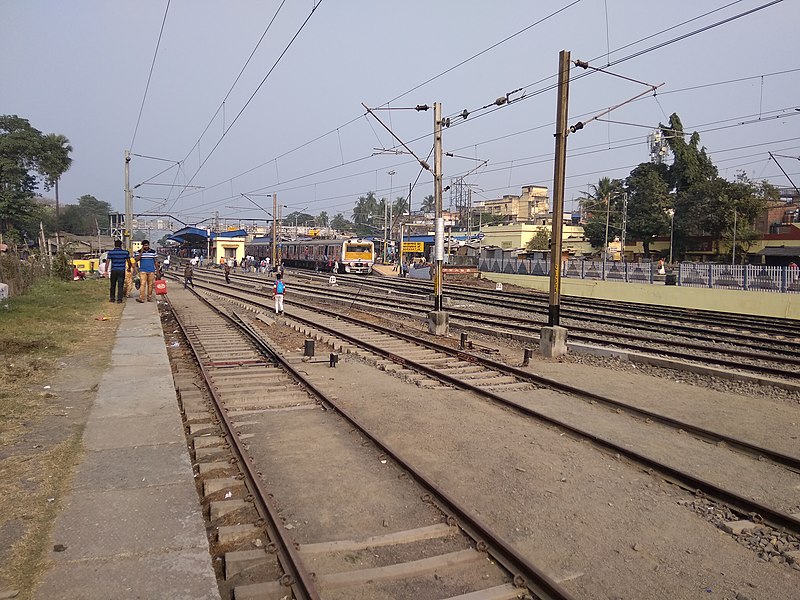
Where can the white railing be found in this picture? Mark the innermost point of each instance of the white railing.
(709, 275)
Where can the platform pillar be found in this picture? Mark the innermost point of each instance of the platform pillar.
(553, 341)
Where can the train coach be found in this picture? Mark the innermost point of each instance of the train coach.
(353, 255)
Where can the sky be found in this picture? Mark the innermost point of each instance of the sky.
(293, 122)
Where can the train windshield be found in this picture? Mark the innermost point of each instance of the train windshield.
(360, 248)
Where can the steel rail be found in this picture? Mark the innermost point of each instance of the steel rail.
(295, 575)
(595, 337)
(582, 308)
(736, 502)
(525, 573)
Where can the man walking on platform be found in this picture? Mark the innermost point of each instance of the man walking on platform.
(119, 260)
(147, 260)
(278, 289)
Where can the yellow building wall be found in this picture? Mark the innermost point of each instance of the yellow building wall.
(228, 248)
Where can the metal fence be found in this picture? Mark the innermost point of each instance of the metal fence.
(729, 277)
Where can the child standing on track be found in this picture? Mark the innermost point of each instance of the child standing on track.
(278, 289)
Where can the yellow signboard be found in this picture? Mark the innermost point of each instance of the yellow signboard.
(413, 247)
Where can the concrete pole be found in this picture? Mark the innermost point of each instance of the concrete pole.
(608, 212)
(127, 233)
(437, 190)
(559, 172)
(624, 225)
(274, 228)
(385, 229)
(733, 253)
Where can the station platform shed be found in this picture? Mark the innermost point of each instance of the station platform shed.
(216, 245)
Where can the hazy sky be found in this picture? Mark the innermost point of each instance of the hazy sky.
(80, 67)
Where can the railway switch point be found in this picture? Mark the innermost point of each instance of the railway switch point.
(553, 341)
(438, 322)
(334, 358)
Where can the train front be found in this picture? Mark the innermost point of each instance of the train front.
(358, 256)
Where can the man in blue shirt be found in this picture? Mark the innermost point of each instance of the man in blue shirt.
(119, 259)
(147, 260)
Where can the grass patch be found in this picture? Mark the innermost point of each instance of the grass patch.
(44, 320)
(57, 333)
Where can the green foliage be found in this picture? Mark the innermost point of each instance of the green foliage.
(648, 202)
(400, 206)
(85, 217)
(367, 208)
(704, 203)
(55, 160)
(603, 205)
(62, 266)
(27, 158)
(539, 241)
(340, 223)
(322, 219)
(428, 204)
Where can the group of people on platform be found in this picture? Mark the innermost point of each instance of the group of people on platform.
(120, 267)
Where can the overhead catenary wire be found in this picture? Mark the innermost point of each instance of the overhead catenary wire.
(546, 157)
(662, 44)
(407, 92)
(149, 76)
(221, 106)
(250, 99)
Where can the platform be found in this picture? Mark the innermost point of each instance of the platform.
(132, 525)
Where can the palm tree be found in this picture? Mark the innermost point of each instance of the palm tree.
(55, 161)
(599, 201)
(366, 208)
(428, 204)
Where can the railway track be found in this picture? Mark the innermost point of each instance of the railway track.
(773, 358)
(288, 449)
(646, 317)
(383, 341)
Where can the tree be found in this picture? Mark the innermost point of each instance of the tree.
(539, 241)
(648, 201)
(27, 160)
(400, 206)
(340, 223)
(428, 204)
(366, 209)
(322, 219)
(55, 162)
(85, 217)
(603, 210)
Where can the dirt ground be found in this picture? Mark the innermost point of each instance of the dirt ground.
(600, 524)
(52, 355)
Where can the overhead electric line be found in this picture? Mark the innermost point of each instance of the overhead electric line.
(235, 81)
(250, 99)
(149, 76)
(549, 87)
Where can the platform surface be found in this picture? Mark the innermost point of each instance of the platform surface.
(132, 526)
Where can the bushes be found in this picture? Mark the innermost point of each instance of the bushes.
(21, 274)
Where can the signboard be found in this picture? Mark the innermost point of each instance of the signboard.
(480, 235)
(413, 247)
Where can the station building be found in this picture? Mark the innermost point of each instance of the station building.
(216, 245)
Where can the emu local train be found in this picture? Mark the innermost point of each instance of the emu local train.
(354, 255)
